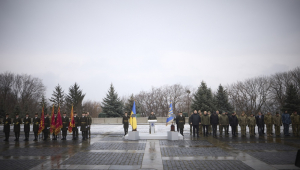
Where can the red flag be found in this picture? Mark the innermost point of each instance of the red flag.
(42, 122)
(72, 122)
(58, 122)
(52, 125)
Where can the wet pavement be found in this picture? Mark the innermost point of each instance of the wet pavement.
(107, 149)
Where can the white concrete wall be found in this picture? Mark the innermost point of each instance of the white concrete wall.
(140, 120)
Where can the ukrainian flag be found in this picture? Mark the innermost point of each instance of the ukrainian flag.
(132, 119)
(170, 115)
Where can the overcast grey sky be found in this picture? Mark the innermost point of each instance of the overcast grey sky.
(139, 44)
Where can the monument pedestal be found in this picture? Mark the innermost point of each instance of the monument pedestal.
(172, 135)
(133, 135)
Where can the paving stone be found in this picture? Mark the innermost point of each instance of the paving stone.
(34, 151)
(105, 158)
(206, 165)
(19, 164)
(261, 146)
(184, 143)
(192, 151)
(275, 158)
(117, 146)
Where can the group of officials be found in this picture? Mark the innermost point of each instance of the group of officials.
(84, 123)
(209, 122)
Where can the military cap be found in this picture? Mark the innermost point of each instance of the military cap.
(36, 113)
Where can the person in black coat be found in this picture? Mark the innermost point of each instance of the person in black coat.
(195, 121)
(65, 123)
(47, 127)
(6, 126)
(214, 121)
(260, 122)
(36, 126)
(77, 123)
(233, 121)
(17, 127)
(27, 122)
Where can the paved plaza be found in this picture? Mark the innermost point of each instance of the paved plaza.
(107, 149)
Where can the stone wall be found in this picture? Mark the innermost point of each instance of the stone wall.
(140, 120)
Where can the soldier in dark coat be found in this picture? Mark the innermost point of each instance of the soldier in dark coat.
(17, 122)
(47, 127)
(89, 118)
(83, 126)
(6, 126)
(36, 124)
(75, 129)
(214, 121)
(233, 121)
(65, 122)
(260, 122)
(181, 122)
(27, 122)
(54, 137)
(125, 123)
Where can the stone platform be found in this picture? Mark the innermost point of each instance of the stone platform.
(146, 136)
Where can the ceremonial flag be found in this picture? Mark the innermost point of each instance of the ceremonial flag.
(58, 122)
(42, 122)
(171, 116)
(72, 122)
(52, 125)
(132, 119)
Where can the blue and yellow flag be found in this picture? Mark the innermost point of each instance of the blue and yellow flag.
(132, 119)
(170, 115)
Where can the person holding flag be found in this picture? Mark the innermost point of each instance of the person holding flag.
(42, 122)
(132, 119)
(47, 127)
(65, 123)
(72, 122)
(53, 126)
(59, 124)
(171, 116)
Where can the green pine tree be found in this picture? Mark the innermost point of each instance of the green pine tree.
(203, 99)
(129, 104)
(221, 100)
(58, 97)
(291, 102)
(44, 103)
(75, 98)
(112, 104)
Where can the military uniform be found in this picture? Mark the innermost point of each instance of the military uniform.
(27, 122)
(152, 117)
(200, 126)
(277, 123)
(54, 137)
(6, 127)
(83, 126)
(75, 129)
(125, 124)
(205, 121)
(209, 126)
(223, 120)
(243, 124)
(296, 124)
(36, 124)
(190, 124)
(251, 125)
(17, 122)
(89, 126)
(65, 123)
(47, 127)
(269, 123)
(181, 122)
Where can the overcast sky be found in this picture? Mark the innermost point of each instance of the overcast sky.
(139, 44)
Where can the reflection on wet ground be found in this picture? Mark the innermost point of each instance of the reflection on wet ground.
(108, 150)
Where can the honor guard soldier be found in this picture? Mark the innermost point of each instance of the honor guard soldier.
(6, 126)
(277, 124)
(223, 120)
(251, 124)
(243, 123)
(295, 119)
(54, 137)
(17, 122)
(125, 123)
(27, 122)
(65, 122)
(47, 127)
(83, 126)
(89, 118)
(269, 123)
(75, 129)
(36, 125)
(181, 122)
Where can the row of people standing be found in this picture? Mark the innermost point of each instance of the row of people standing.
(83, 122)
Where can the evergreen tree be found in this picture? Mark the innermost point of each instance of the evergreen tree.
(221, 100)
(44, 103)
(112, 104)
(58, 97)
(75, 98)
(203, 99)
(291, 102)
(129, 104)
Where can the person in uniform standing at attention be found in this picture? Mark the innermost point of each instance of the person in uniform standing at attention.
(195, 121)
(251, 124)
(36, 125)
(89, 118)
(269, 123)
(223, 120)
(54, 137)
(214, 121)
(6, 126)
(243, 123)
(125, 123)
(83, 126)
(65, 123)
(17, 122)
(295, 123)
(200, 126)
(233, 123)
(181, 122)
(47, 126)
(260, 123)
(205, 121)
(75, 129)
(209, 125)
(27, 122)
(277, 124)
